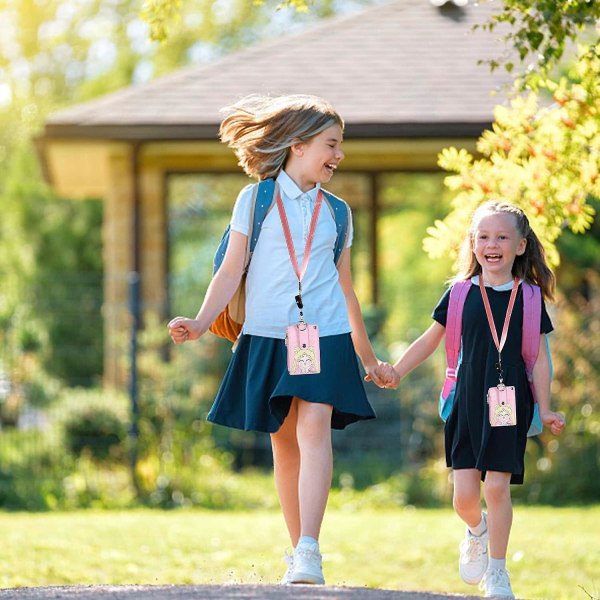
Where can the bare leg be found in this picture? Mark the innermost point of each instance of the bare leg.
(496, 491)
(286, 463)
(316, 464)
(467, 495)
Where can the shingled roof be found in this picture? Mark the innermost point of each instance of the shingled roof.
(402, 69)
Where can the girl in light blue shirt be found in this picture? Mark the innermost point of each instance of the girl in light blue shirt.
(297, 141)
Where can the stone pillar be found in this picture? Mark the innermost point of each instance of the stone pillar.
(117, 238)
(153, 240)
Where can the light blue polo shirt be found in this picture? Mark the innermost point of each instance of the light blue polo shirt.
(271, 284)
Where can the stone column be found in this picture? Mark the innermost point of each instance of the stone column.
(117, 238)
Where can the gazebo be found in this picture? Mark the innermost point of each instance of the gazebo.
(403, 74)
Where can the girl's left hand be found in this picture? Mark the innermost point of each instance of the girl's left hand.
(555, 421)
(381, 374)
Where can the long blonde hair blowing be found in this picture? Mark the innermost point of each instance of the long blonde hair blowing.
(531, 266)
(261, 129)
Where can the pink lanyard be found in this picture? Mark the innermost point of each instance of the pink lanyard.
(290, 244)
(490, 318)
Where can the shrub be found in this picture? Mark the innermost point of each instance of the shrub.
(97, 431)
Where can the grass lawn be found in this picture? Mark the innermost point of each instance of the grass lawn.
(553, 553)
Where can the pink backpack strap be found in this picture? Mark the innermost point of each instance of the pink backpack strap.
(532, 319)
(456, 303)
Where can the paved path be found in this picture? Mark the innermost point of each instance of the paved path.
(214, 592)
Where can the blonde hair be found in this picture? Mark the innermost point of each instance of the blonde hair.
(531, 266)
(261, 129)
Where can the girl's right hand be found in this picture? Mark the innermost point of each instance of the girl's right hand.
(555, 421)
(184, 330)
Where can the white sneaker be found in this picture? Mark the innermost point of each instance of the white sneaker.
(289, 559)
(473, 560)
(496, 584)
(307, 567)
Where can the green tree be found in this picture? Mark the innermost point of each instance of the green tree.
(52, 276)
(540, 30)
(543, 159)
(54, 54)
(165, 16)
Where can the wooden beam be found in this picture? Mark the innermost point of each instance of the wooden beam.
(373, 245)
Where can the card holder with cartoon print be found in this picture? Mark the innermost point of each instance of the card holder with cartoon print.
(502, 405)
(303, 350)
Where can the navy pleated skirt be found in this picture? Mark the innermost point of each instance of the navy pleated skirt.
(257, 390)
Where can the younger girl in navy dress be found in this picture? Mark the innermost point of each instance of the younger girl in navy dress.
(297, 141)
(500, 246)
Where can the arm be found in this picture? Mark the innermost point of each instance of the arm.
(420, 350)
(219, 292)
(360, 339)
(541, 385)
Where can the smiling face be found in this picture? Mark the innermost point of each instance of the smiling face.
(315, 161)
(305, 360)
(496, 243)
(504, 415)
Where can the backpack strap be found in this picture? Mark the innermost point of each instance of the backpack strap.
(340, 211)
(263, 200)
(263, 197)
(456, 302)
(532, 318)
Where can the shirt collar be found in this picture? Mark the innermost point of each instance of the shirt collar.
(505, 287)
(291, 190)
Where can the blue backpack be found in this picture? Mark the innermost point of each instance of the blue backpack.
(229, 323)
(532, 315)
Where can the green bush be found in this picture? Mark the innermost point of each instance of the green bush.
(97, 431)
(565, 471)
(34, 466)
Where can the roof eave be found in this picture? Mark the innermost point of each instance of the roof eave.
(416, 130)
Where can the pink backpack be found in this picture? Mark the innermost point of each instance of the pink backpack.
(532, 315)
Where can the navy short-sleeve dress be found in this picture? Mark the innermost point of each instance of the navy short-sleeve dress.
(471, 443)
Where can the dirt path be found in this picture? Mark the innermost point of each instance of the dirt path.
(214, 592)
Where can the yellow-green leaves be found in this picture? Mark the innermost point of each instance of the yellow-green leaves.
(545, 159)
(160, 15)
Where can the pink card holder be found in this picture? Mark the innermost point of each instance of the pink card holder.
(502, 406)
(303, 351)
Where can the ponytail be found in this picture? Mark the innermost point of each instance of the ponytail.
(532, 266)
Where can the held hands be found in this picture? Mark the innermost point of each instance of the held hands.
(383, 375)
(554, 421)
(184, 330)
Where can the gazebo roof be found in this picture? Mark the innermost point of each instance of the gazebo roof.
(402, 69)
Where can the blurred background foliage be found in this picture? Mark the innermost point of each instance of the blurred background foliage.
(64, 440)
(545, 159)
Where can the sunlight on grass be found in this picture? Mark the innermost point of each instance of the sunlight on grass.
(553, 552)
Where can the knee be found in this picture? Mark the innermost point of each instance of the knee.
(496, 489)
(465, 500)
(284, 445)
(314, 426)
(313, 436)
